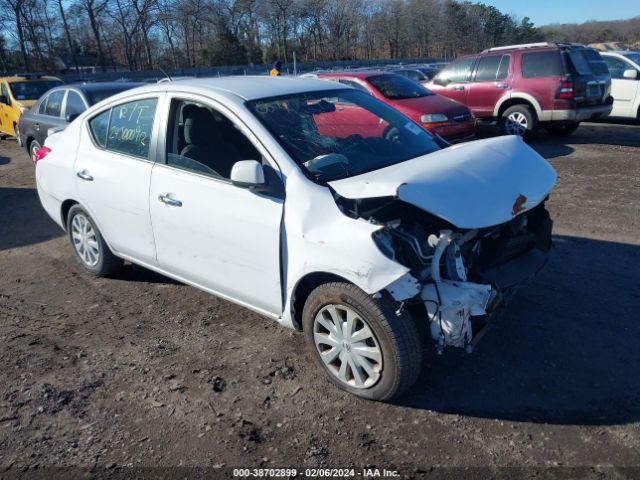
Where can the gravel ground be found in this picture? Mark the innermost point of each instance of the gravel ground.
(141, 371)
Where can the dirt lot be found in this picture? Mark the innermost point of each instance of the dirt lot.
(138, 370)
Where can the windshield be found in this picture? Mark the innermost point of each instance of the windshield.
(340, 133)
(33, 89)
(397, 87)
(633, 56)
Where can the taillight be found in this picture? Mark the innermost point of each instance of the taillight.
(40, 154)
(566, 90)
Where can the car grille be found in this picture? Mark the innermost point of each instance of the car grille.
(465, 117)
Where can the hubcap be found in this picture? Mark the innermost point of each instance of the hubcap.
(17, 129)
(34, 150)
(347, 346)
(84, 240)
(516, 124)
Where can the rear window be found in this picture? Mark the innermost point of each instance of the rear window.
(542, 64)
(32, 89)
(396, 87)
(587, 62)
(95, 96)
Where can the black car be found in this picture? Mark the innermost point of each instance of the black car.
(61, 105)
(417, 74)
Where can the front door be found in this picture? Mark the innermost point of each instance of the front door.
(6, 116)
(208, 231)
(623, 90)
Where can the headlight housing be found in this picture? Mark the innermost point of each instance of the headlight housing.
(434, 118)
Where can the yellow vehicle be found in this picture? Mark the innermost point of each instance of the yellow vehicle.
(17, 95)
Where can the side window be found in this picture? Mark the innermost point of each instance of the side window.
(75, 105)
(5, 92)
(202, 140)
(54, 104)
(503, 70)
(130, 127)
(487, 69)
(542, 64)
(457, 72)
(99, 126)
(616, 67)
(43, 106)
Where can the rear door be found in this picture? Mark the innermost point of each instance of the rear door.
(623, 90)
(453, 81)
(49, 116)
(113, 174)
(590, 76)
(5, 118)
(490, 81)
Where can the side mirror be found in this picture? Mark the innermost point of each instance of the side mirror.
(443, 82)
(631, 74)
(71, 117)
(4, 99)
(247, 174)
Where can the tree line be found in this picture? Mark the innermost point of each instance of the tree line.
(57, 35)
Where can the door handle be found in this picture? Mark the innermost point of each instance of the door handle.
(84, 175)
(502, 85)
(170, 201)
(459, 87)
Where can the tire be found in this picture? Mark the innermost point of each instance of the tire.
(89, 247)
(33, 148)
(518, 120)
(16, 128)
(391, 348)
(562, 130)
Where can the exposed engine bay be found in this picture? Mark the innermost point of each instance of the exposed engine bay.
(465, 274)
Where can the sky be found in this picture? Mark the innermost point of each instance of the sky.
(544, 12)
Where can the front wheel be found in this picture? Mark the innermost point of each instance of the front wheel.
(518, 120)
(88, 245)
(16, 128)
(363, 345)
(562, 130)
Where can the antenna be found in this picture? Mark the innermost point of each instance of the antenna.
(165, 73)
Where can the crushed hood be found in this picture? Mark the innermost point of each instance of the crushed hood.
(471, 185)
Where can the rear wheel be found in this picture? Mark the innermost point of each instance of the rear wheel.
(518, 120)
(34, 146)
(363, 345)
(88, 245)
(562, 130)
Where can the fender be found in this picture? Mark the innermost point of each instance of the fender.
(516, 94)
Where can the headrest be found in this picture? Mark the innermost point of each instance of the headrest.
(199, 126)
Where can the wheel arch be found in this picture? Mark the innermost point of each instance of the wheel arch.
(518, 99)
(303, 288)
(64, 211)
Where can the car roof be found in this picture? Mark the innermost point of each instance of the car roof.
(362, 74)
(101, 86)
(17, 78)
(246, 87)
(619, 52)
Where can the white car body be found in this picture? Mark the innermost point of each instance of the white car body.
(625, 84)
(257, 250)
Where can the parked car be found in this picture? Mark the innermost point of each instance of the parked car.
(227, 184)
(523, 86)
(449, 119)
(419, 74)
(60, 106)
(624, 67)
(17, 94)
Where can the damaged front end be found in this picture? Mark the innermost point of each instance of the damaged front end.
(464, 275)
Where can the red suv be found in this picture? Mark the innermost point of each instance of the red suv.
(523, 86)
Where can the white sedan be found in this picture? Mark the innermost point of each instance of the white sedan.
(311, 203)
(624, 67)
